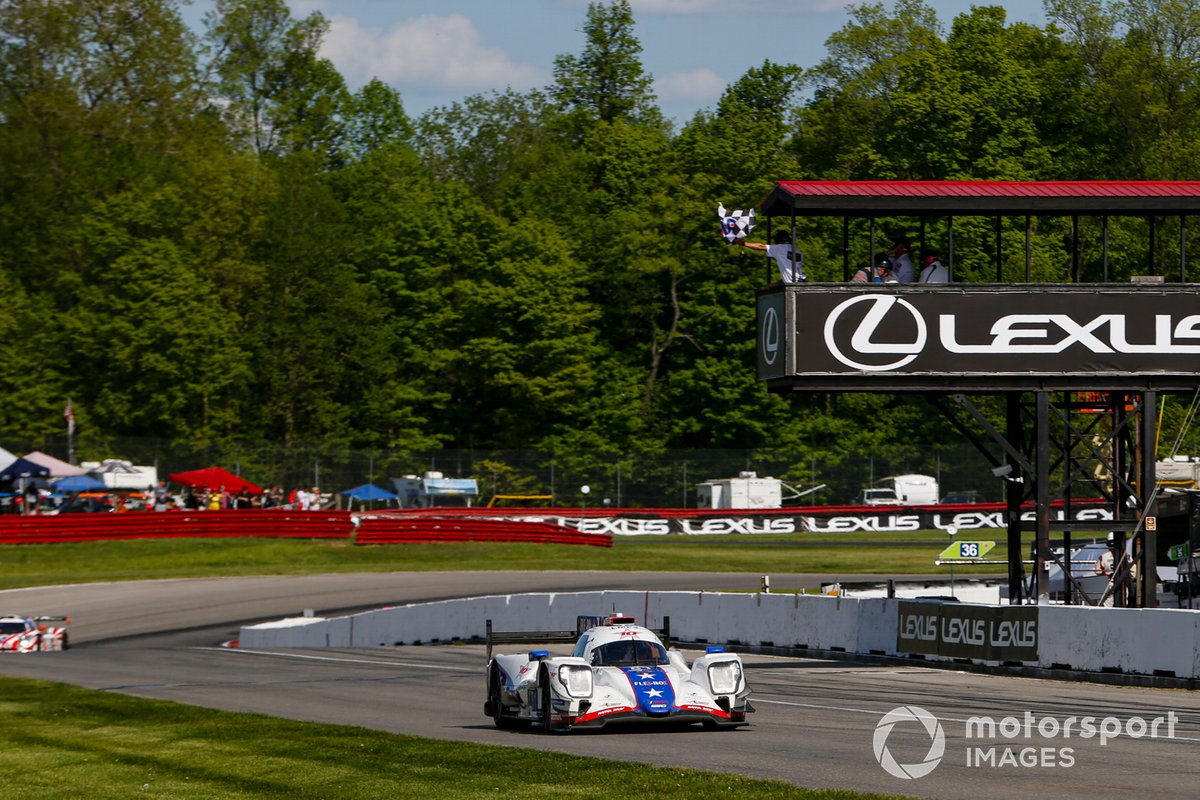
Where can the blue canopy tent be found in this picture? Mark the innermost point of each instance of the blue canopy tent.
(18, 479)
(79, 483)
(22, 468)
(369, 493)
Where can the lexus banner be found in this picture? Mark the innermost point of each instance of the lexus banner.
(829, 336)
(953, 630)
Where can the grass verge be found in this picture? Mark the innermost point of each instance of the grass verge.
(840, 554)
(62, 741)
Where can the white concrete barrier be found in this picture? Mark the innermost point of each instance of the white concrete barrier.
(877, 621)
(1163, 642)
(1143, 640)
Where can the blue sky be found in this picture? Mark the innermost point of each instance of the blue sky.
(435, 52)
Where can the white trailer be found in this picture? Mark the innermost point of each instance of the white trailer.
(435, 489)
(747, 490)
(121, 475)
(912, 489)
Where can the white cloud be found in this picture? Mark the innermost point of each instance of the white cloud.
(428, 51)
(695, 86)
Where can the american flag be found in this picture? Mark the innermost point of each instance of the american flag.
(69, 415)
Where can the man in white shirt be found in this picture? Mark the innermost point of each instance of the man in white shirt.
(789, 259)
(932, 270)
(902, 264)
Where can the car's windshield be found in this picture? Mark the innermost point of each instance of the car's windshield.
(11, 627)
(627, 652)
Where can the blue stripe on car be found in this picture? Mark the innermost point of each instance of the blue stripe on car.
(653, 689)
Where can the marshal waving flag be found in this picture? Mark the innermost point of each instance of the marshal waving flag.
(735, 224)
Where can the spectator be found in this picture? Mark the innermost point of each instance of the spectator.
(881, 272)
(901, 262)
(161, 496)
(932, 270)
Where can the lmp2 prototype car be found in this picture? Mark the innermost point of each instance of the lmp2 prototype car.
(618, 673)
(31, 634)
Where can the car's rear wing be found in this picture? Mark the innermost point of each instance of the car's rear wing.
(582, 623)
(64, 620)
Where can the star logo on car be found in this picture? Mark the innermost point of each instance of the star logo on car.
(653, 693)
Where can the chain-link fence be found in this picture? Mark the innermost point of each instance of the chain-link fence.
(618, 479)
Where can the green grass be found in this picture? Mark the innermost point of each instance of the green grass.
(760, 554)
(62, 741)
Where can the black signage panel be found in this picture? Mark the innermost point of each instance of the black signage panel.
(952, 630)
(847, 337)
(773, 326)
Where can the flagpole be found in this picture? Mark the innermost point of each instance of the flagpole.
(70, 415)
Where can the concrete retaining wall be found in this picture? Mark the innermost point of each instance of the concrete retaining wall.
(1139, 641)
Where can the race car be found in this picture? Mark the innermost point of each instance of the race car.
(618, 673)
(31, 634)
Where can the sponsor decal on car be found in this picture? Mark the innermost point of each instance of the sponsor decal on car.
(653, 689)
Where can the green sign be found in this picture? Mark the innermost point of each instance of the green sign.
(966, 550)
(1179, 552)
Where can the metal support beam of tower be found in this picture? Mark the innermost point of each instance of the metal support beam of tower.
(1042, 493)
(1147, 438)
(1014, 494)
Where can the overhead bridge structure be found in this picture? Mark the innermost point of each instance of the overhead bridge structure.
(1077, 368)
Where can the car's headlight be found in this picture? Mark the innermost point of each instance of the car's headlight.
(577, 678)
(725, 677)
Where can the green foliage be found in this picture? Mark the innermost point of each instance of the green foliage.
(213, 239)
(606, 82)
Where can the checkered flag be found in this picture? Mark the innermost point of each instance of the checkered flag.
(736, 224)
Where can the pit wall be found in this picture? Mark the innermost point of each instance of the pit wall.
(1155, 642)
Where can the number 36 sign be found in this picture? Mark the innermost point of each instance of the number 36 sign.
(965, 550)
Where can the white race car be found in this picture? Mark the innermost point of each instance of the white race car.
(31, 634)
(619, 672)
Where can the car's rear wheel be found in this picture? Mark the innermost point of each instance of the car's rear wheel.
(503, 721)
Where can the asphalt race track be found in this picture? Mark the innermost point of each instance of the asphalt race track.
(818, 722)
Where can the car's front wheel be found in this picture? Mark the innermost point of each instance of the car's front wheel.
(503, 721)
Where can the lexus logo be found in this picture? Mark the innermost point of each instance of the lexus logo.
(866, 351)
(770, 336)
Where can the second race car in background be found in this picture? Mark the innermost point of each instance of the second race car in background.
(31, 634)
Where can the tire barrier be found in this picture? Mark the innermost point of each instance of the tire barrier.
(394, 529)
(96, 527)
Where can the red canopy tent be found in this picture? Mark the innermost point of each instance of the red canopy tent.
(215, 478)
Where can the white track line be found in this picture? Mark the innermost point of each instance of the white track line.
(341, 660)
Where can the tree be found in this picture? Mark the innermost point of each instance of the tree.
(280, 96)
(94, 94)
(854, 86)
(606, 83)
(376, 119)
